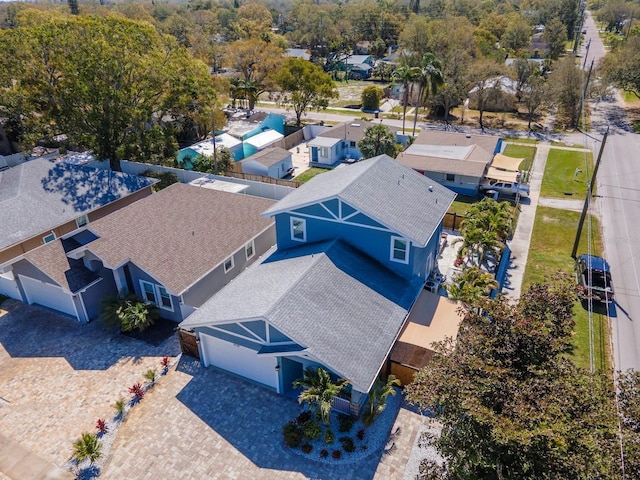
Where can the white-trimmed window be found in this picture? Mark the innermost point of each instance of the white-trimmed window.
(324, 152)
(298, 229)
(156, 294)
(49, 238)
(81, 221)
(399, 250)
(228, 264)
(250, 249)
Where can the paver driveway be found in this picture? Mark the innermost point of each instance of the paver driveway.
(57, 376)
(200, 423)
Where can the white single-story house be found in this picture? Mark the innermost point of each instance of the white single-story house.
(273, 162)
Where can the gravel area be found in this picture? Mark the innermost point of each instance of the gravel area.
(423, 447)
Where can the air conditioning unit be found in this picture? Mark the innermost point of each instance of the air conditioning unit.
(432, 286)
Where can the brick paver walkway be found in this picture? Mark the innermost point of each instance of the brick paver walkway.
(203, 424)
(57, 377)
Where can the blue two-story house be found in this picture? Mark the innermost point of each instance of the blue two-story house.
(354, 248)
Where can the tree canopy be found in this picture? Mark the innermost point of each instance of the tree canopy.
(304, 85)
(512, 404)
(377, 140)
(99, 80)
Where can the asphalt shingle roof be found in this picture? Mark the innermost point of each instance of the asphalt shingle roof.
(343, 306)
(394, 195)
(179, 234)
(41, 194)
(473, 160)
(353, 131)
(269, 156)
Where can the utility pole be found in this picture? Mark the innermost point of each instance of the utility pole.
(588, 198)
(586, 54)
(584, 94)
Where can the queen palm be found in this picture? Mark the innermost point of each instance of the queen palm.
(378, 398)
(430, 79)
(87, 447)
(405, 75)
(319, 391)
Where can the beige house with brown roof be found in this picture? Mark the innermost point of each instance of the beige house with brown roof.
(458, 161)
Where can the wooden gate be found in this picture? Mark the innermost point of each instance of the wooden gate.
(188, 343)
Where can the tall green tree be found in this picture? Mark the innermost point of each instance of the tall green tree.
(119, 78)
(430, 79)
(555, 34)
(319, 390)
(512, 404)
(471, 285)
(304, 85)
(622, 66)
(378, 140)
(566, 90)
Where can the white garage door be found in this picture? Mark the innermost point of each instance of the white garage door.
(9, 288)
(47, 295)
(239, 360)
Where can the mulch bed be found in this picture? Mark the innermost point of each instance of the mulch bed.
(156, 333)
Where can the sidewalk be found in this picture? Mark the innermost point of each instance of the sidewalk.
(18, 463)
(519, 245)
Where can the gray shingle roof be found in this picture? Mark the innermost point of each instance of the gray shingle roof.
(348, 130)
(473, 160)
(343, 306)
(179, 234)
(394, 195)
(41, 194)
(269, 156)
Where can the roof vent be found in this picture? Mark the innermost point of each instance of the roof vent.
(468, 135)
(431, 188)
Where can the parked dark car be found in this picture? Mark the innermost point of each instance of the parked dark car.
(593, 274)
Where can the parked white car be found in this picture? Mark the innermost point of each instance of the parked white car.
(506, 188)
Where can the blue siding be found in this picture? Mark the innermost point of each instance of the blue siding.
(315, 210)
(273, 121)
(276, 335)
(362, 219)
(376, 243)
(258, 327)
(333, 205)
(138, 274)
(229, 338)
(498, 148)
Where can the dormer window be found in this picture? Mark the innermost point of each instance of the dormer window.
(298, 229)
(399, 250)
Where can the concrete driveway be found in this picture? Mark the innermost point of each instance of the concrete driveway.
(57, 376)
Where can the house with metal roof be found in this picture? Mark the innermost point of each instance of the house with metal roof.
(272, 162)
(458, 161)
(355, 247)
(45, 200)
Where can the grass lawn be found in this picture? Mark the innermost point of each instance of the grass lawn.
(462, 203)
(558, 174)
(521, 151)
(520, 140)
(309, 174)
(551, 243)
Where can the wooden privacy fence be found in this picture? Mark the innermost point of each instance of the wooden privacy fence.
(452, 221)
(262, 178)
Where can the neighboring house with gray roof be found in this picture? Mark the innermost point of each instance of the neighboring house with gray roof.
(458, 161)
(43, 200)
(337, 144)
(355, 247)
(272, 162)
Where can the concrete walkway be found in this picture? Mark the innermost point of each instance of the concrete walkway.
(18, 463)
(519, 245)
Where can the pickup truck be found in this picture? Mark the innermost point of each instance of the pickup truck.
(593, 275)
(506, 188)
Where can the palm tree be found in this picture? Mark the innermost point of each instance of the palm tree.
(235, 90)
(430, 79)
(471, 285)
(87, 447)
(378, 398)
(405, 75)
(319, 391)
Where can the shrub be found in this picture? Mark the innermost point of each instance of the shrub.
(120, 404)
(101, 426)
(324, 453)
(306, 448)
(304, 417)
(371, 97)
(329, 437)
(137, 391)
(127, 312)
(164, 362)
(87, 447)
(363, 447)
(336, 454)
(360, 434)
(347, 444)
(292, 434)
(311, 429)
(150, 374)
(166, 178)
(345, 423)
